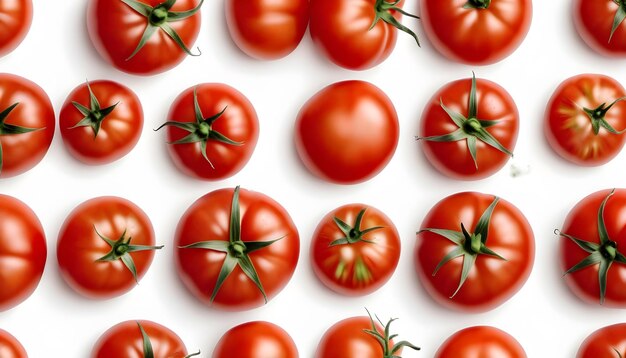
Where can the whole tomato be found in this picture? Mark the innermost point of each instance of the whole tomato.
(477, 32)
(212, 131)
(10, 347)
(355, 249)
(583, 117)
(267, 29)
(347, 132)
(101, 122)
(22, 252)
(469, 129)
(256, 340)
(606, 342)
(105, 247)
(481, 342)
(15, 19)
(143, 37)
(236, 249)
(26, 124)
(600, 24)
(474, 251)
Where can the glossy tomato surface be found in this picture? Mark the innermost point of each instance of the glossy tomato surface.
(347, 132)
(594, 21)
(256, 339)
(10, 347)
(15, 19)
(481, 342)
(606, 342)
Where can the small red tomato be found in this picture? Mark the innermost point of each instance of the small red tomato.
(212, 131)
(105, 247)
(10, 347)
(600, 23)
(606, 342)
(101, 122)
(355, 249)
(584, 118)
(256, 340)
(481, 342)
(15, 19)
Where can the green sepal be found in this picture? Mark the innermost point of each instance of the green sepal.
(598, 120)
(477, 4)
(147, 345)
(382, 10)
(353, 234)
(619, 17)
(10, 129)
(94, 115)
(384, 338)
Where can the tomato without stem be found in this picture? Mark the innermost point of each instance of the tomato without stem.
(256, 340)
(10, 347)
(606, 342)
(15, 20)
(481, 342)
(601, 25)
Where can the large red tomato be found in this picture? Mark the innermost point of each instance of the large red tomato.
(236, 249)
(584, 118)
(477, 32)
(15, 19)
(143, 37)
(347, 132)
(600, 24)
(606, 342)
(26, 124)
(481, 342)
(105, 247)
(469, 129)
(256, 340)
(355, 249)
(474, 251)
(267, 29)
(212, 131)
(22, 252)
(101, 121)
(10, 347)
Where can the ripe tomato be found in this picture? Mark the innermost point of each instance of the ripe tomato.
(101, 122)
(267, 29)
(355, 249)
(143, 37)
(583, 118)
(474, 251)
(105, 247)
(481, 342)
(22, 252)
(601, 25)
(477, 32)
(26, 124)
(357, 34)
(606, 342)
(256, 340)
(15, 19)
(212, 131)
(10, 347)
(236, 249)
(347, 132)
(469, 129)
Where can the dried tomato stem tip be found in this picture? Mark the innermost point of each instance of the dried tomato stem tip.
(383, 8)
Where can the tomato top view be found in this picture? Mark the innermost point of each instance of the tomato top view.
(585, 119)
(477, 32)
(481, 342)
(10, 347)
(15, 19)
(143, 37)
(606, 342)
(601, 25)
(257, 339)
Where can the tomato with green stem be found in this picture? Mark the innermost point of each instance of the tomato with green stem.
(10, 347)
(255, 340)
(15, 20)
(606, 342)
(479, 342)
(601, 25)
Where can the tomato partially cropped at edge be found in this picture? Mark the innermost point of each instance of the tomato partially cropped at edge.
(606, 342)
(481, 342)
(256, 340)
(15, 19)
(10, 347)
(595, 23)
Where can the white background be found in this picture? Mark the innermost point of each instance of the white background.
(544, 316)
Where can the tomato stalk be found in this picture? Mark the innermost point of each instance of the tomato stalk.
(94, 115)
(477, 4)
(382, 11)
(10, 129)
(148, 351)
(597, 117)
(354, 233)
(384, 338)
(619, 17)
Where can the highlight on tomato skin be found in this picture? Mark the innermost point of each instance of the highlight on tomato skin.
(10, 347)
(481, 341)
(605, 342)
(16, 17)
(256, 339)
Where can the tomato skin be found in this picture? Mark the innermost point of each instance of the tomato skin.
(22, 252)
(603, 342)
(481, 342)
(346, 339)
(360, 117)
(256, 339)
(568, 128)
(15, 20)
(10, 347)
(267, 29)
(472, 36)
(79, 246)
(594, 20)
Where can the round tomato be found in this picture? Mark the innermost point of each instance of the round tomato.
(15, 19)
(22, 252)
(583, 119)
(474, 251)
(600, 24)
(606, 342)
(469, 129)
(347, 132)
(212, 131)
(477, 32)
(236, 249)
(256, 340)
(26, 124)
(105, 247)
(143, 37)
(481, 342)
(10, 347)
(357, 34)
(355, 249)
(101, 122)
(267, 29)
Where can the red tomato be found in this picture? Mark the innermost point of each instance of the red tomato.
(105, 247)
(15, 19)
(583, 118)
(347, 132)
(600, 24)
(101, 122)
(22, 252)
(10, 347)
(474, 251)
(469, 129)
(212, 131)
(26, 124)
(256, 340)
(477, 32)
(357, 34)
(481, 342)
(267, 29)
(236, 249)
(143, 37)
(606, 342)
(355, 249)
